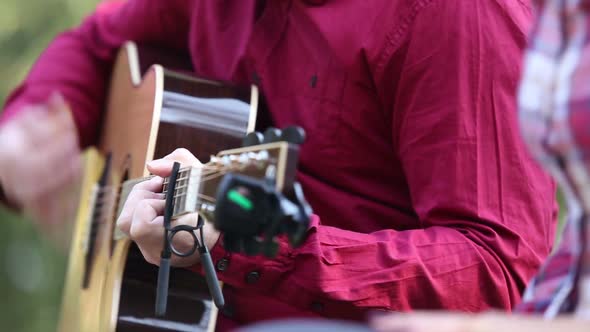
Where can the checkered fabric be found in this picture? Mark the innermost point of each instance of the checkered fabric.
(554, 111)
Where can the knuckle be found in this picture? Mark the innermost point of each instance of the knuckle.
(124, 223)
(138, 196)
(183, 155)
(182, 152)
(143, 205)
(146, 188)
(136, 231)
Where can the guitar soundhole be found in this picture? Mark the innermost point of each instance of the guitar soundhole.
(189, 303)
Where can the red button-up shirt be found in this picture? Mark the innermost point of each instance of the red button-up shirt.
(425, 195)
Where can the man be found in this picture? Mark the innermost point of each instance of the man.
(413, 163)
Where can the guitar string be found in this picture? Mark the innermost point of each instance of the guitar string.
(106, 204)
(105, 201)
(208, 176)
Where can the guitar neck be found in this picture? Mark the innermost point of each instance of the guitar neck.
(185, 200)
(196, 186)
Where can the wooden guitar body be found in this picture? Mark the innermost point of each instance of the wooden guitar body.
(84, 296)
(147, 117)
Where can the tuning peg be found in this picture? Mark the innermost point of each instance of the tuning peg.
(293, 135)
(253, 138)
(272, 135)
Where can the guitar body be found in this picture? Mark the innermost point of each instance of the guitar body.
(78, 297)
(146, 118)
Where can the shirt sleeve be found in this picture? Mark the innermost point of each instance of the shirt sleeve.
(486, 211)
(78, 62)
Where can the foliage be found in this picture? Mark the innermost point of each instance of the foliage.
(27, 27)
(31, 269)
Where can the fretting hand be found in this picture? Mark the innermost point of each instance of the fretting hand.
(142, 215)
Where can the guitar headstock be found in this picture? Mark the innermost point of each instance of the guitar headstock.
(249, 193)
(196, 186)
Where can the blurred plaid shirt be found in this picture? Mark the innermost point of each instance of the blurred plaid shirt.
(554, 103)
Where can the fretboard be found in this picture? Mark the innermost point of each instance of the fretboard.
(185, 196)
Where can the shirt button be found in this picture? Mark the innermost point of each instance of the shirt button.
(252, 277)
(313, 81)
(222, 264)
(317, 306)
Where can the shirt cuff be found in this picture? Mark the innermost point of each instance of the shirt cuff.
(258, 273)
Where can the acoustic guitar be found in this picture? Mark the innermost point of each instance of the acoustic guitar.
(151, 111)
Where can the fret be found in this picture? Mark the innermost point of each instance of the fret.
(185, 195)
(187, 188)
(126, 190)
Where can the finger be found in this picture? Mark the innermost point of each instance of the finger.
(147, 231)
(152, 247)
(160, 167)
(183, 156)
(147, 189)
(163, 167)
(135, 197)
(153, 184)
(144, 224)
(190, 219)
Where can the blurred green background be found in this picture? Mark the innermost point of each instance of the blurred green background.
(31, 269)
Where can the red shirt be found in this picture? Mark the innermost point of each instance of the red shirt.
(425, 194)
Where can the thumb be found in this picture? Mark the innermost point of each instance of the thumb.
(163, 167)
(160, 167)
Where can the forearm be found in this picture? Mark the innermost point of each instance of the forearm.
(348, 272)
